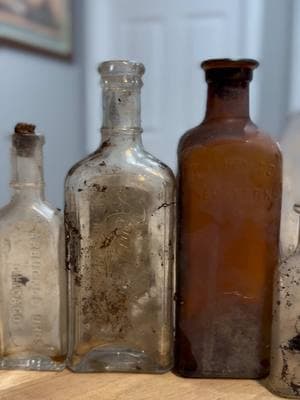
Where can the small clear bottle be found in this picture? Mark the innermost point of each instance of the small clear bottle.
(119, 219)
(32, 266)
(284, 377)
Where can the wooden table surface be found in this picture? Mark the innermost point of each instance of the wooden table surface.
(22, 385)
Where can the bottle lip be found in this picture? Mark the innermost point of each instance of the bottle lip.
(220, 63)
(24, 128)
(26, 132)
(233, 72)
(28, 138)
(121, 67)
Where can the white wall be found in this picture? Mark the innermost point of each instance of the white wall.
(48, 92)
(276, 65)
(294, 103)
(265, 32)
(97, 47)
(63, 98)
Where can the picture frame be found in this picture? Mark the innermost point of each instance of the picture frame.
(41, 25)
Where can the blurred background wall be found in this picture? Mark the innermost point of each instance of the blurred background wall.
(48, 92)
(171, 37)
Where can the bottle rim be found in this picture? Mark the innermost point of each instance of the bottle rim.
(220, 63)
(121, 67)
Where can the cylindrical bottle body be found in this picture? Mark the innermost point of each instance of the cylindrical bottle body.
(229, 198)
(33, 290)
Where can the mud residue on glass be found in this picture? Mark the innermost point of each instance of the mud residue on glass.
(19, 278)
(116, 261)
(285, 356)
(32, 263)
(120, 227)
(72, 242)
(229, 200)
(24, 139)
(233, 326)
(113, 274)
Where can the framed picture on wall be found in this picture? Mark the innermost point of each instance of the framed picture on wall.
(39, 24)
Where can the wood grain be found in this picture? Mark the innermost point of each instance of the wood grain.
(21, 385)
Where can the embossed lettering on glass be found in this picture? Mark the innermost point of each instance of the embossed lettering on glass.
(229, 199)
(33, 330)
(284, 377)
(119, 219)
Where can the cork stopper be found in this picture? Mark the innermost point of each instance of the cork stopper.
(22, 128)
(25, 139)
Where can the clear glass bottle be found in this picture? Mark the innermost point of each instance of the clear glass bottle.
(229, 197)
(33, 330)
(284, 377)
(289, 226)
(119, 219)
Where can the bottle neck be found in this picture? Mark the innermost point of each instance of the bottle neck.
(121, 126)
(27, 180)
(227, 99)
(121, 108)
(120, 140)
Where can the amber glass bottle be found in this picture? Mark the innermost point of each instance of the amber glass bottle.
(229, 197)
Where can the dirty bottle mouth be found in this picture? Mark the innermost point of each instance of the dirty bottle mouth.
(226, 69)
(25, 140)
(23, 128)
(120, 68)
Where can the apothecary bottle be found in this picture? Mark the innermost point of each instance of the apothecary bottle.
(229, 195)
(289, 225)
(33, 302)
(284, 377)
(119, 219)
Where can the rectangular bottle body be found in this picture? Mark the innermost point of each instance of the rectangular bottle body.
(229, 207)
(120, 253)
(33, 329)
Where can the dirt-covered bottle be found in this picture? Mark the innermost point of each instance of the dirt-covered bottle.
(119, 218)
(33, 307)
(284, 377)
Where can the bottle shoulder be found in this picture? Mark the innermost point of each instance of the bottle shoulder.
(159, 168)
(99, 167)
(80, 165)
(239, 132)
(36, 212)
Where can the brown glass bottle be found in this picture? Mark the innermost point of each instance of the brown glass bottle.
(229, 195)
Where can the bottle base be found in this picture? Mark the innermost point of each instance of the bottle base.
(116, 360)
(36, 363)
(219, 374)
(286, 392)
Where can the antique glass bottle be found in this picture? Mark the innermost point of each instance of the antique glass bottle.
(284, 377)
(229, 198)
(33, 303)
(289, 226)
(119, 219)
